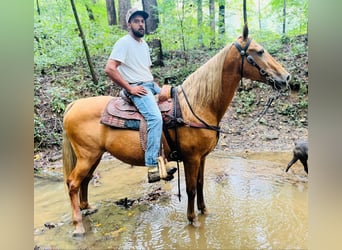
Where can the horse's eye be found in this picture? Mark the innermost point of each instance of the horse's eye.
(260, 52)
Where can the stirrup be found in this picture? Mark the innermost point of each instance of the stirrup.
(165, 172)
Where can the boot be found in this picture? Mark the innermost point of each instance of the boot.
(155, 173)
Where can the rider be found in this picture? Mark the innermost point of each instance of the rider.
(129, 67)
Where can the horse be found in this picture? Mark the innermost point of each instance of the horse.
(204, 97)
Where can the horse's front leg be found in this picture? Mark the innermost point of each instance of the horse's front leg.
(200, 183)
(191, 172)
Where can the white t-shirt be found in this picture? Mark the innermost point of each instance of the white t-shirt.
(135, 59)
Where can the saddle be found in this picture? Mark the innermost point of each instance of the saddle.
(120, 112)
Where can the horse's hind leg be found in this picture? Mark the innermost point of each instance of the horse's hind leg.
(79, 173)
(200, 184)
(84, 204)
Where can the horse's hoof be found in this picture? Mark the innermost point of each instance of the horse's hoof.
(204, 211)
(78, 233)
(195, 223)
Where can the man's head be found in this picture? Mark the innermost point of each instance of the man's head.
(136, 21)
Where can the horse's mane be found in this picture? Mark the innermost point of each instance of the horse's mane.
(204, 85)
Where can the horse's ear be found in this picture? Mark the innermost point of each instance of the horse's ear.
(245, 31)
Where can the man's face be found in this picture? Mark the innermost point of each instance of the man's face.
(137, 25)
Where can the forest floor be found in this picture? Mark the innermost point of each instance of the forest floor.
(284, 122)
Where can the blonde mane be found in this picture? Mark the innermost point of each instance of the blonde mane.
(204, 85)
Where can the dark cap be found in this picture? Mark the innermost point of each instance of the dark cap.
(135, 11)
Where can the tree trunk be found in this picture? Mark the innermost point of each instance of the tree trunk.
(221, 19)
(38, 9)
(90, 64)
(199, 22)
(124, 6)
(150, 6)
(111, 15)
(259, 15)
(212, 19)
(284, 18)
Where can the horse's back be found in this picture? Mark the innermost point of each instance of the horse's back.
(88, 106)
(85, 113)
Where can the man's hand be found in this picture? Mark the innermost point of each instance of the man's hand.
(137, 90)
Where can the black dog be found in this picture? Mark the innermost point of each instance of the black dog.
(300, 152)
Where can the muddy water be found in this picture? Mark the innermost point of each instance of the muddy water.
(252, 204)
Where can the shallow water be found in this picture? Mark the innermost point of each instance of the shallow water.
(252, 204)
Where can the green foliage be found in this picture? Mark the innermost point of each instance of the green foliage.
(39, 128)
(56, 36)
(60, 97)
(245, 101)
(293, 110)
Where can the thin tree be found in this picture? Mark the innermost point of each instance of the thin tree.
(90, 64)
(181, 22)
(111, 14)
(284, 17)
(199, 22)
(259, 14)
(221, 19)
(212, 19)
(38, 9)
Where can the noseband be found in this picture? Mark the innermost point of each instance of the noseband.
(250, 60)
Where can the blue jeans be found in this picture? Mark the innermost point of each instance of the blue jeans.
(148, 107)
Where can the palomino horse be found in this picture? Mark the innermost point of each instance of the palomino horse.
(204, 98)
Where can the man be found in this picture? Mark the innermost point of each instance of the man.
(129, 67)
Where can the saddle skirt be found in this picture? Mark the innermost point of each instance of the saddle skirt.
(121, 113)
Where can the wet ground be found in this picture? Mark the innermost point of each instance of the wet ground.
(252, 204)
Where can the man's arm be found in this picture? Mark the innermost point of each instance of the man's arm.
(111, 70)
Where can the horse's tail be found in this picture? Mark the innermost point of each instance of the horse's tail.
(69, 157)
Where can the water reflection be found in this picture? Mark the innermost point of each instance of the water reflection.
(252, 204)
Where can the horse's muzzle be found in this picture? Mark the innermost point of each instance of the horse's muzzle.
(280, 83)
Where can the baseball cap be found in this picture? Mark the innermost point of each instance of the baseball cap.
(135, 11)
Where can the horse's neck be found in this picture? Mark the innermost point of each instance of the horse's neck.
(211, 88)
(230, 83)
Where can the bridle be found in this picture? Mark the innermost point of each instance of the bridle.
(250, 60)
(269, 79)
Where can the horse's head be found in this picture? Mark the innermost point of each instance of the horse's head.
(257, 64)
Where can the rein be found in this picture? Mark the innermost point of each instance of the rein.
(193, 125)
(262, 113)
(250, 60)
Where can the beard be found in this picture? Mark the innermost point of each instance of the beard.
(139, 32)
